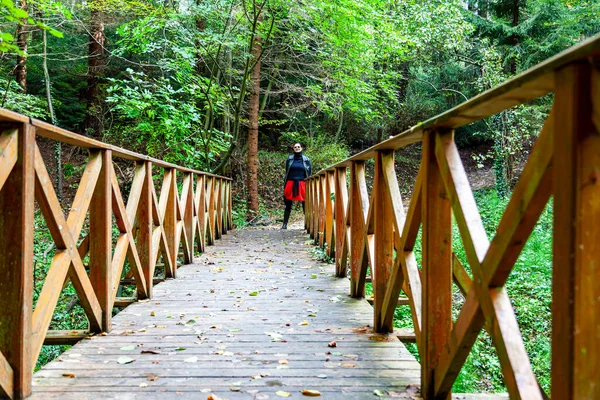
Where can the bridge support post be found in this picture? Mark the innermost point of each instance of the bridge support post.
(576, 269)
(341, 209)
(330, 201)
(16, 260)
(437, 267)
(145, 226)
(101, 275)
(384, 238)
(359, 206)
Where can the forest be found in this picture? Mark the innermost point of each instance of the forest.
(228, 86)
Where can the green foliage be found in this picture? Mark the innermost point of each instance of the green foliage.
(13, 98)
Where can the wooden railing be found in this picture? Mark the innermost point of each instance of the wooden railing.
(149, 226)
(375, 231)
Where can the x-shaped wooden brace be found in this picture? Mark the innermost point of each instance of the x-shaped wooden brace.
(67, 259)
(125, 218)
(492, 263)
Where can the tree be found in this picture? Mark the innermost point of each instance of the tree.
(93, 124)
(253, 111)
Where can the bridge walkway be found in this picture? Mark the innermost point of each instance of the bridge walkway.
(255, 316)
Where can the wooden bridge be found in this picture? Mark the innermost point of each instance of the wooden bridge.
(255, 316)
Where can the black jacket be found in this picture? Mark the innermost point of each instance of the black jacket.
(305, 160)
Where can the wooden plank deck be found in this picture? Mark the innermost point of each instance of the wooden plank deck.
(252, 317)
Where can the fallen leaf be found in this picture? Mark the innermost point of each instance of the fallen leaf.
(322, 376)
(303, 323)
(152, 314)
(143, 385)
(125, 360)
(191, 360)
(127, 348)
(180, 349)
(332, 344)
(311, 393)
(150, 352)
(191, 322)
(348, 365)
(281, 393)
(253, 294)
(378, 393)
(152, 378)
(284, 362)
(68, 375)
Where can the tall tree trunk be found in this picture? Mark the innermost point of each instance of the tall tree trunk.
(514, 38)
(21, 68)
(96, 62)
(253, 110)
(57, 145)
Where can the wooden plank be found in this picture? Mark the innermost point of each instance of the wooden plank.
(359, 205)
(16, 269)
(62, 135)
(7, 377)
(168, 200)
(397, 278)
(61, 337)
(437, 267)
(101, 240)
(124, 301)
(9, 153)
(329, 210)
(145, 226)
(381, 267)
(341, 207)
(575, 305)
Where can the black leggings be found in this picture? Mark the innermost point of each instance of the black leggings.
(288, 210)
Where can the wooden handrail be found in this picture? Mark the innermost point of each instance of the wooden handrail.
(371, 230)
(150, 225)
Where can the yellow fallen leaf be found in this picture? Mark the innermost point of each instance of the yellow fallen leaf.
(303, 323)
(152, 314)
(281, 393)
(311, 393)
(68, 375)
(284, 362)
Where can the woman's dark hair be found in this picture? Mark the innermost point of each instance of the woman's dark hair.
(301, 144)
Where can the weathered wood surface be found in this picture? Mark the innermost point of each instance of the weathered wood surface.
(241, 295)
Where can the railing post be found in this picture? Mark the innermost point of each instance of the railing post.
(341, 208)
(384, 240)
(330, 201)
(187, 211)
(576, 261)
(437, 267)
(210, 204)
(359, 206)
(169, 192)
(100, 234)
(145, 227)
(16, 260)
(316, 208)
(200, 203)
(314, 234)
(322, 208)
(307, 206)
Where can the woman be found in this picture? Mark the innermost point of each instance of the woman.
(297, 169)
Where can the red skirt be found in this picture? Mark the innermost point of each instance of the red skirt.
(288, 191)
